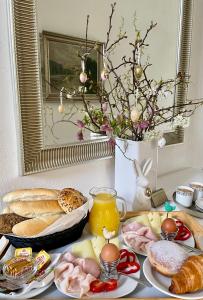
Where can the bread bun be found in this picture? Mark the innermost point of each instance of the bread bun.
(166, 257)
(33, 226)
(32, 209)
(31, 194)
(70, 199)
(7, 221)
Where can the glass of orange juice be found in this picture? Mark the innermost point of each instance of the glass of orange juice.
(104, 212)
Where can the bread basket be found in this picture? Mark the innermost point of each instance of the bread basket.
(51, 241)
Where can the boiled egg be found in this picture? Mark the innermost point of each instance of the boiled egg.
(169, 225)
(110, 253)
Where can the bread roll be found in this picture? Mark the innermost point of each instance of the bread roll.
(31, 194)
(70, 199)
(7, 221)
(33, 226)
(32, 209)
(166, 257)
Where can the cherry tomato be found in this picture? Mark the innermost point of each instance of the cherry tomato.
(111, 285)
(97, 286)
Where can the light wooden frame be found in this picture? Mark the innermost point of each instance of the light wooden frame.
(34, 157)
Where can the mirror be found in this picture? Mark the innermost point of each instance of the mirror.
(49, 137)
(62, 40)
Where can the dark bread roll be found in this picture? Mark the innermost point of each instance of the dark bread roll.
(7, 221)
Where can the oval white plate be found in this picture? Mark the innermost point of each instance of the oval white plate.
(162, 283)
(190, 242)
(126, 285)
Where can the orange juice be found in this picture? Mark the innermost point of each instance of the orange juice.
(104, 213)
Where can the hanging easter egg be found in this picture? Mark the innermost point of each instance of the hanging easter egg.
(61, 108)
(83, 77)
(104, 74)
(138, 72)
(161, 142)
(134, 115)
(69, 96)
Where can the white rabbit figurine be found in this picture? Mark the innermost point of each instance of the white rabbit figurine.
(142, 200)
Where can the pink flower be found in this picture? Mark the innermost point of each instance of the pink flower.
(104, 106)
(80, 135)
(80, 124)
(112, 142)
(106, 128)
(143, 124)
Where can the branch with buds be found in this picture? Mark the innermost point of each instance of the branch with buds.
(131, 105)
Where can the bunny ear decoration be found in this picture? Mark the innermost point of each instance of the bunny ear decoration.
(147, 166)
(137, 168)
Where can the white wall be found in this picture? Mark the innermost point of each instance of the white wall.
(82, 176)
(196, 86)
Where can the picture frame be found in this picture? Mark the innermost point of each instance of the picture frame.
(61, 65)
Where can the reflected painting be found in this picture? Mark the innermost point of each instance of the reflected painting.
(61, 64)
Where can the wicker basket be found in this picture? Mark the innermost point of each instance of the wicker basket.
(51, 241)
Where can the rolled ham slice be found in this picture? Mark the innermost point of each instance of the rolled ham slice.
(75, 274)
(138, 236)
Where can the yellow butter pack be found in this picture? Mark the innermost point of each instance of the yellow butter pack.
(42, 260)
(23, 252)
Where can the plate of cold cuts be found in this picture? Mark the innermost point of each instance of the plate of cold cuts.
(139, 232)
(76, 276)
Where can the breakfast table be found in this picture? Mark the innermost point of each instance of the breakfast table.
(169, 182)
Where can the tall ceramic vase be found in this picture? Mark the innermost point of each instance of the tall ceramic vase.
(126, 176)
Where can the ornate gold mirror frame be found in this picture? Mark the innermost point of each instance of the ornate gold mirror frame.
(34, 158)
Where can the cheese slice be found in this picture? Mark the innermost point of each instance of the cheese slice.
(115, 241)
(99, 242)
(163, 217)
(143, 219)
(155, 222)
(83, 249)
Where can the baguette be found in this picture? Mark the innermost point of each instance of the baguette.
(32, 209)
(31, 194)
(33, 226)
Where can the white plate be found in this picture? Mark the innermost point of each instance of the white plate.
(162, 283)
(190, 242)
(30, 294)
(35, 291)
(126, 285)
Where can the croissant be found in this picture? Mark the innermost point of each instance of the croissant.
(190, 277)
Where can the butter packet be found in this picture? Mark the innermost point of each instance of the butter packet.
(23, 252)
(42, 260)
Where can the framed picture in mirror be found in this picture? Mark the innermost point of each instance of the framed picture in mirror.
(61, 64)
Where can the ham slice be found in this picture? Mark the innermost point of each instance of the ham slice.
(89, 266)
(138, 236)
(75, 274)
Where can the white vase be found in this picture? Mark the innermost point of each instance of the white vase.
(125, 173)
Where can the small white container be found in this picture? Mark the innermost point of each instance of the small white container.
(198, 190)
(199, 203)
(184, 195)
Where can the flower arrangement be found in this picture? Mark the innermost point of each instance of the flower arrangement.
(131, 105)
